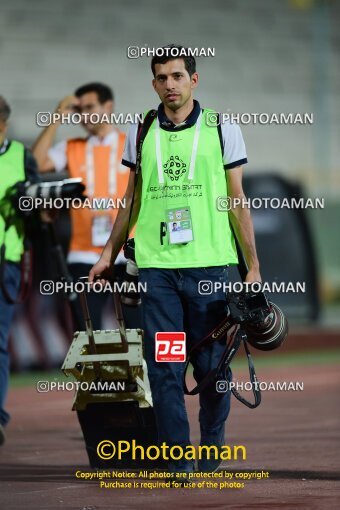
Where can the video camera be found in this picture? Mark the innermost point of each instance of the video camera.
(66, 188)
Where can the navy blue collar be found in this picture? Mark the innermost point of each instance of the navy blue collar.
(190, 121)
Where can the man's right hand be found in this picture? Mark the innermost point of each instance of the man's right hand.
(68, 104)
(102, 271)
(46, 138)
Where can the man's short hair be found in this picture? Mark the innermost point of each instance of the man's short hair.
(103, 92)
(5, 110)
(189, 62)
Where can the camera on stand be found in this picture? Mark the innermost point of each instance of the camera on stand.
(40, 197)
(43, 192)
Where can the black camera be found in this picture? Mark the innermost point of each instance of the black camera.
(66, 188)
(265, 324)
(129, 250)
(247, 307)
(130, 296)
(44, 191)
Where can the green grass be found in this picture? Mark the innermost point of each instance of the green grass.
(267, 360)
(294, 358)
(29, 378)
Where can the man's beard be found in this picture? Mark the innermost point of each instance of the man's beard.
(175, 106)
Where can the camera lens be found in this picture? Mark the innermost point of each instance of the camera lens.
(270, 333)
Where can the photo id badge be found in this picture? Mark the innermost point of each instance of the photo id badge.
(179, 225)
(101, 229)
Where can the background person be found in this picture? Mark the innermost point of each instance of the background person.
(16, 164)
(172, 272)
(95, 158)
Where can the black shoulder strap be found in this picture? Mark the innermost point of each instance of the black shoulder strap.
(242, 265)
(143, 128)
(219, 131)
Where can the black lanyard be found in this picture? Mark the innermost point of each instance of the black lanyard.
(222, 371)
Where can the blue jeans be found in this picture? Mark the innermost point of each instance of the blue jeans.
(172, 303)
(12, 283)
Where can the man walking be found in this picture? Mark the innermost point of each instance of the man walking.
(186, 164)
(16, 164)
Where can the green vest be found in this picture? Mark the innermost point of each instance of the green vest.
(213, 243)
(12, 170)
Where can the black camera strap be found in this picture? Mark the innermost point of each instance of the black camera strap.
(237, 337)
(228, 353)
(253, 379)
(143, 129)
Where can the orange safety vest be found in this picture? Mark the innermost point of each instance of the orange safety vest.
(82, 219)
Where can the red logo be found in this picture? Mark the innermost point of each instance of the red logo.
(170, 346)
